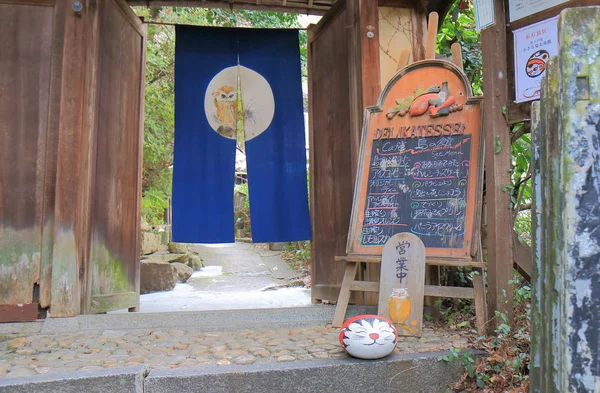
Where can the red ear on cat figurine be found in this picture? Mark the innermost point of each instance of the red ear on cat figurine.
(368, 336)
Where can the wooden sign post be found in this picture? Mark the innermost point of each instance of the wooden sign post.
(402, 283)
(420, 164)
(421, 173)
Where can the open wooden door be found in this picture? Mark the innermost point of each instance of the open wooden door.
(113, 280)
(26, 32)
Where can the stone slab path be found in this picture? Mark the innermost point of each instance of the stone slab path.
(235, 276)
(172, 348)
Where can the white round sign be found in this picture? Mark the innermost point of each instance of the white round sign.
(221, 106)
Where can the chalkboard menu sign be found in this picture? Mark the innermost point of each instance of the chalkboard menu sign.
(420, 168)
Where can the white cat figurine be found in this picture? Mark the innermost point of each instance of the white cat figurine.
(368, 336)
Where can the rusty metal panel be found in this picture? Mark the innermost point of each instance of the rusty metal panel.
(26, 36)
(18, 312)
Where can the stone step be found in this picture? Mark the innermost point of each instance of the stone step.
(422, 373)
(223, 320)
(414, 373)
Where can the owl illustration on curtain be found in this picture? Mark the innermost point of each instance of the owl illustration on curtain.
(225, 100)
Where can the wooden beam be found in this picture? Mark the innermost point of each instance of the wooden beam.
(497, 162)
(76, 135)
(366, 286)
(290, 7)
(42, 3)
(452, 292)
(369, 52)
(51, 158)
(418, 34)
(457, 55)
(522, 257)
(142, 89)
(403, 60)
(432, 29)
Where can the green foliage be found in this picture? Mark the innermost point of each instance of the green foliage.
(298, 255)
(506, 366)
(497, 145)
(160, 95)
(459, 26)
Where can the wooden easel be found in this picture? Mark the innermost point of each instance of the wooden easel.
(353, 261)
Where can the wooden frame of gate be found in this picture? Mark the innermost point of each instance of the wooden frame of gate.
(69, 222)
(70, 168)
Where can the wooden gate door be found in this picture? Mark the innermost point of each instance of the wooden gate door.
(114, 267)
(26, 32)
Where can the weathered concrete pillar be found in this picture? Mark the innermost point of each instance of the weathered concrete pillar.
(566, 279)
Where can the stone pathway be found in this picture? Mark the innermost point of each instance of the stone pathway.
(172, 348)
(234, 277)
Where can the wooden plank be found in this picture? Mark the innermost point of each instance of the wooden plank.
(432, 28)
(451, 292)
(41, 3)
(26, 35)
(418, 30)
(114, 251)
(430, 261)
(366, 286)
(480, 306)
(344, 295)
(140, 164)
(402, 282)
(330, 134)
(359, 258)
(311, 151)
(72, 214)
(398, 3)
(130, 16)
(294, 8)
(92, 92)
(456, 263)
(116, 301)
(498, 163)
(18, 312)
(457, 55)
(325, 22)
(403, 61)
(51, 158)
(369, 61)
(522, 257)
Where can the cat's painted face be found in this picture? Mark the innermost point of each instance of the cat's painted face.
(368, 336)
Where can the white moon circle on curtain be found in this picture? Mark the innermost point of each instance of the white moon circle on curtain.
(220, 102)
(258, 102)
(221, 107)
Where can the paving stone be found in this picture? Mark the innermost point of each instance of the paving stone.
(263, 353)
(244, 359)
(172, 348)
(17, 343)
(286, 358)
(20, 372)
